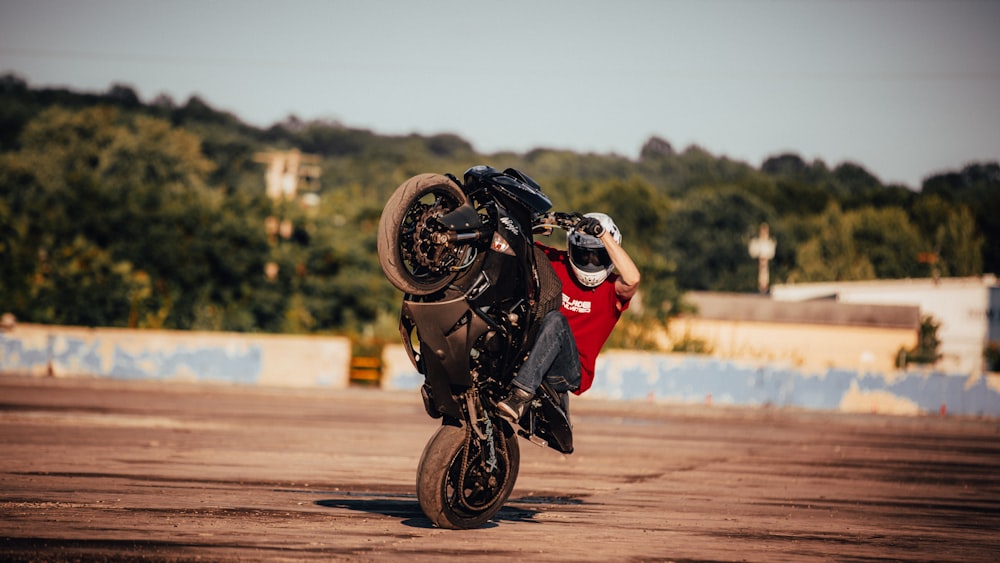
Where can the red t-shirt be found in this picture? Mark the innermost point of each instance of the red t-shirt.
(592, 312)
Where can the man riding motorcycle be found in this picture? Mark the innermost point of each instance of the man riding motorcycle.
(593, 299)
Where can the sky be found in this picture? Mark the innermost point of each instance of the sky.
(904, 88)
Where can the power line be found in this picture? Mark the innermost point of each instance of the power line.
(672, 73)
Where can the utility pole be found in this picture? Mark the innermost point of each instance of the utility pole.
(762, 248)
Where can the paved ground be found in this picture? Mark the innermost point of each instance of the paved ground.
(100, 470)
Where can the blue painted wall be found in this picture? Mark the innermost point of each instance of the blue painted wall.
(697, 379)
(621, 375)
(690, 379)
(164, 355)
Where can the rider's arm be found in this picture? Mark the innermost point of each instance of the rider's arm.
(628, 274)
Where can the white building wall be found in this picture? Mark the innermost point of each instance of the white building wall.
(962, 306)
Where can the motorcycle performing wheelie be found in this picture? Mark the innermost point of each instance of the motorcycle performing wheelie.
(475, 289)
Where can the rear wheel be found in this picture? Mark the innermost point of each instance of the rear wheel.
(412, 247)
(463, 481)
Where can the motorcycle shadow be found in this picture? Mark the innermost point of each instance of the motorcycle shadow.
(406, 508)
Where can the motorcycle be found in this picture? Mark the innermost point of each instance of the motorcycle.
(475, 290)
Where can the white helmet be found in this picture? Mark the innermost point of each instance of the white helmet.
(587, 255)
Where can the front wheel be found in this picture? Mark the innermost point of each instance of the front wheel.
(462, 480)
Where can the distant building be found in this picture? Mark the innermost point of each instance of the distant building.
(847, 325)
(968, 310)
(289, 172)
(813, 336)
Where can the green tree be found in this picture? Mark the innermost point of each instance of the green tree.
(708, 239)
(863, 244)
(926, 349)
(800, 186)
(889, 241)
(978, 187)
(84, 285)
(101, 193)
(951, 239)
(853, 185)
(831, 254)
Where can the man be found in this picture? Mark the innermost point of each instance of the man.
(593, 299)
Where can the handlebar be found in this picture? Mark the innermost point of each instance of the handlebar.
(545, 222)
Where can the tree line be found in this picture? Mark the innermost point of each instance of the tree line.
(118, 212)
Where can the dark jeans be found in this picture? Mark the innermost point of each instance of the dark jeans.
(554, 357)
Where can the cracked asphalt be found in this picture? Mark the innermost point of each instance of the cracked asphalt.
(107, 470)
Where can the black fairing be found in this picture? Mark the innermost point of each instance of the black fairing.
(511, 183)
(486, 309)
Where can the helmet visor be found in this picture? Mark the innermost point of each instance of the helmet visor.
(590, 259)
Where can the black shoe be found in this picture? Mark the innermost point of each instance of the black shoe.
(511, 408)
(564, 404)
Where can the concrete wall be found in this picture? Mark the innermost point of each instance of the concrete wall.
(690, 379)
(299, 361)
(253, 359)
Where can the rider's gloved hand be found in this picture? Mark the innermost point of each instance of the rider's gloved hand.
(590, 226)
